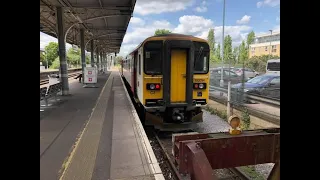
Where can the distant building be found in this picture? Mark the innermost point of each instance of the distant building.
(265, 44)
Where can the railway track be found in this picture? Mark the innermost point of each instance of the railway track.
(164, 141)
(161, 143)
(70, 75)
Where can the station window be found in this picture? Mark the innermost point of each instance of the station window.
(274, 48)
(201, 58)
(153, 57)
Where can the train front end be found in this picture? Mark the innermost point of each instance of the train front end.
(175, 82)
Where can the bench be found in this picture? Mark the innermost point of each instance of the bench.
(49, 92)
(43, 92)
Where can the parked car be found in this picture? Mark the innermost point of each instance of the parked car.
(266, 85)
(248, 73)
(215, 76)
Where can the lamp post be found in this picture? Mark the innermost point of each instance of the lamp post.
(222, 58)
(270, 44)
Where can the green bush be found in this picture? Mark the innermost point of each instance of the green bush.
(55, 64)
(259, 63)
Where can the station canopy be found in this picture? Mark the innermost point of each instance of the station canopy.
(104, 21)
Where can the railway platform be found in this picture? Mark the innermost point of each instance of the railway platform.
(95, 134)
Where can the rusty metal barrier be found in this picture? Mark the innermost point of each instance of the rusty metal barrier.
(199, 154)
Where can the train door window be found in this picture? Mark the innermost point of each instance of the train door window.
(201, 58)
(139, 64)
(153, 57)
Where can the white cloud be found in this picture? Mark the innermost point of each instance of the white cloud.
(193, 25)
(138, 34)
(145, 7)
(276, 28)
(244, 20)
(271, 3)
(202, 8)
(237, 33)
(137, 21)
(278, 19)
(199, 27)
(46, 39)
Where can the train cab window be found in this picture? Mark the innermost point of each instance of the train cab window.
(201, 58)
(153, 57)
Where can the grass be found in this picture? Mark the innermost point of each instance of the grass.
(215, 111)
(245, 117)
(251, 172)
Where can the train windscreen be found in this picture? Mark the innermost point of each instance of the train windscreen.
(153, 57)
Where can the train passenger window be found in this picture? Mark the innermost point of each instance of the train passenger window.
(139, 65)
(201, 58)
(153, 57)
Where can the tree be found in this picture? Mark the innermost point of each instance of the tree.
(52, 52)
(243, 52)
(258, 63)
(74, 56)
(43, 59)
(227, 49)
(119, 59)
(88, 59)
(211, 42)
(218, 53)
(250, 39)
(161, 31)
(55, 64)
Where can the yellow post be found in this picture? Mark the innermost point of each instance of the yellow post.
(234, 122)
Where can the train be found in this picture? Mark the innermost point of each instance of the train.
(168, 77)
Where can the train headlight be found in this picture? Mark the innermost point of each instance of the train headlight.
(199, 85)
(153, 86)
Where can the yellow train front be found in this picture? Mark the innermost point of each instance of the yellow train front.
(169, 79)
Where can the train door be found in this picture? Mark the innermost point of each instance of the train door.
(178, 75)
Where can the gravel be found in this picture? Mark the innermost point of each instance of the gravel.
(167, 172)
(211, 124)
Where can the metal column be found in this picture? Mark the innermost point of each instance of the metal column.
(92, 53)
(83, 52)
(101, 60)
(104, 62)
(62, 52)
(97, 53)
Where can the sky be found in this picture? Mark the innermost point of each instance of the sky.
(196, 17)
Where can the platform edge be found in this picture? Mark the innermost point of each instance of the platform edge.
(153, 162)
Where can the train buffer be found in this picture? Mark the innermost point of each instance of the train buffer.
(198, 154)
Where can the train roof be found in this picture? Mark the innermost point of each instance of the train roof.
(169, 36)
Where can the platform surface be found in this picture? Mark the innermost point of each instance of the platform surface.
(96, 134)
